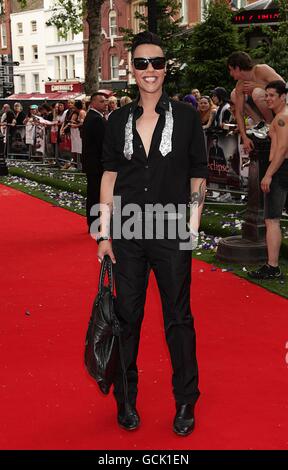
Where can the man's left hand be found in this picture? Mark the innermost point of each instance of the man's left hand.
(265, 184)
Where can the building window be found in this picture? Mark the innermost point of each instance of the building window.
(20, 28)
(22, 84)
(61, 36)
(57, 67)
(72, 72)
(3, 35)
(36, 81)
(21, 53)
(137, 8)
(99, 69)
(204, 9)
(237, 4)
(184, 11)
(112, 23)
(64, 70)
(34, 53)
(65, 36)
(34, 26)
(114, 61)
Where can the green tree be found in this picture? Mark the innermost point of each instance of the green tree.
(211, 42)
(277, 56)
(173, 38)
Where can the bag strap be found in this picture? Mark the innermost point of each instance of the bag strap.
(106, 267)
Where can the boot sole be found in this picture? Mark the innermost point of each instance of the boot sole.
(183, 434)
(129, 429)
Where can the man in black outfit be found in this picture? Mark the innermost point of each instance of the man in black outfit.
(93, 132)
(154, 153)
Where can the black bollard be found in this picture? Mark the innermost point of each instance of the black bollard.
(3, 166)
(250, 246)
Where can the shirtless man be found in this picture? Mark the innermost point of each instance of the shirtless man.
(275, 181)
(250, 91)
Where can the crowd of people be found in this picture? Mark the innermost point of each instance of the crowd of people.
(215, 109)
(54, 130)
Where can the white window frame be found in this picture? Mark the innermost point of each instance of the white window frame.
(113, 26)
(33, 26)
(113, 67)
(19, 28)
(184, 12)
(100, 69)
(202, 8)
(3, 35)
(64, 67)
(35, 53)
(141, 9)
(21, 53)
(72, 70)
(57, 62)
(36, 82)
(69, 36)
(239, 3)
(22, 83)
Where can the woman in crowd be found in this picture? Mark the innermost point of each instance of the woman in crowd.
(191, 100)
(9, 125)
(65, 135)
(19, 114)
(124, 100)
(29, 123)
(223, 114)
(76, 124)
(207, 111)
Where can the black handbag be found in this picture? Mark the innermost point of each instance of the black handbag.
(103, 348)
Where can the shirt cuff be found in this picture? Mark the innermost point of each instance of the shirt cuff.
(110, 167)
(199, 173)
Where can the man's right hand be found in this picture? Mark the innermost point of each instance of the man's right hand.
(105, 248)
(248, 145)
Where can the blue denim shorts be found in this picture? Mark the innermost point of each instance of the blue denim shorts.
(274, 201)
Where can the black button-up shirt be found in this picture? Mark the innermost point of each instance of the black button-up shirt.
(156, 178)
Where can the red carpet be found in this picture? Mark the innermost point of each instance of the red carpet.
(47, 400)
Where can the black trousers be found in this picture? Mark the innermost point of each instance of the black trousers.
(172, 269)
(93, 194)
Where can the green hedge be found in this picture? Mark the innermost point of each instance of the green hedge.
(71, 186)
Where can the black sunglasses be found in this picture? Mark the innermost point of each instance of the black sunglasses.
(141, 63)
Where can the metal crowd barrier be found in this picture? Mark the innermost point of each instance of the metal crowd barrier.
(40, 151)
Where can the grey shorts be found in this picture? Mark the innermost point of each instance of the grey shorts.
(274, 201)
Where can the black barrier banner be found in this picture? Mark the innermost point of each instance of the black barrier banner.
(16, 142)
(3, 166)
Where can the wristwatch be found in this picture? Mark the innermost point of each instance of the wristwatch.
(101, 239)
